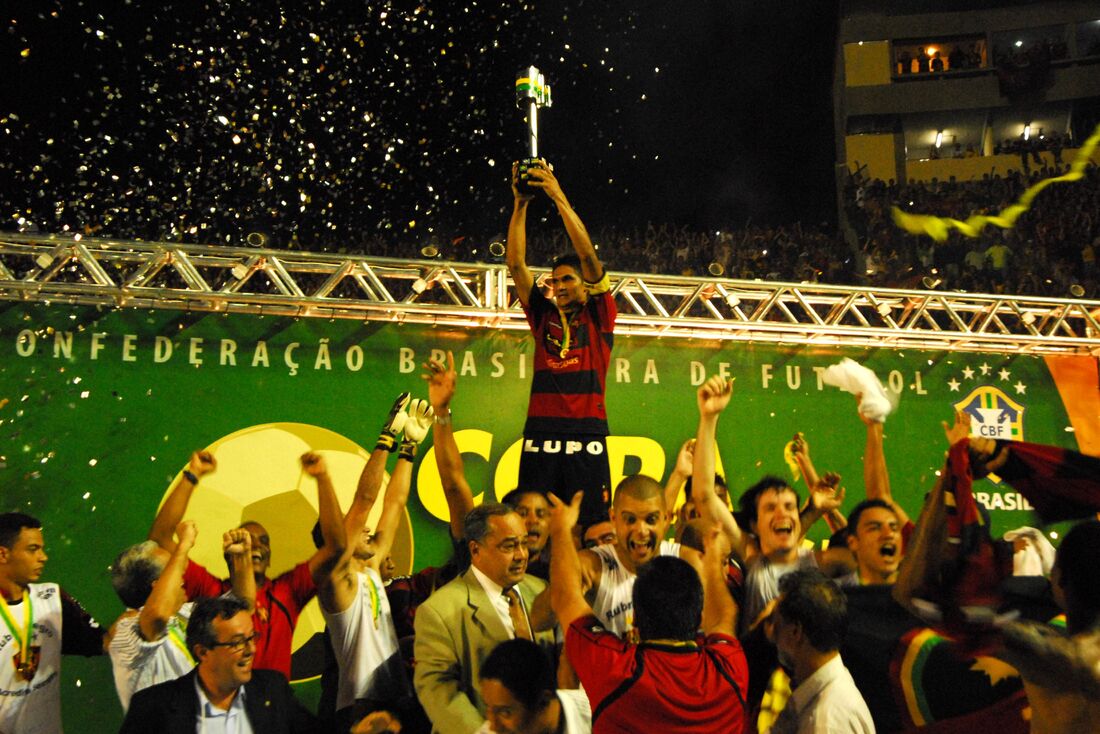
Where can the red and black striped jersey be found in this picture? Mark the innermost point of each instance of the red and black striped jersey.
(570, 363)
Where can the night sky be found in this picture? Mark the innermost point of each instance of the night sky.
(200, 120)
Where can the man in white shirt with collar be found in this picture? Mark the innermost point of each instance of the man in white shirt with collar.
(807, 627)
(464, 620)
(223, 694)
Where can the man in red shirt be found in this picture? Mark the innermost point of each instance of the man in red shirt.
(279, 601)
(675, 680)
(564, 447)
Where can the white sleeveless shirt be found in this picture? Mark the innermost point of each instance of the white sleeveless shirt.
(365, 644)
(614, 603)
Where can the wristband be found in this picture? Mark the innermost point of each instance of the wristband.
(443, 420)
(408, 450)
(386, 442)
(189, 476)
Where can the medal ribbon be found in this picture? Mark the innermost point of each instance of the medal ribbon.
(375, 603)
(28, 632)
(175, 634)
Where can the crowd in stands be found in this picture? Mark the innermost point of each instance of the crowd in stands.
(936, 59)
(1051, 249)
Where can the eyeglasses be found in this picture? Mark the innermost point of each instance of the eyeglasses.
(238, 644)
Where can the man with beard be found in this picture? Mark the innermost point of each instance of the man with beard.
(608, 571)
(463, 620)
(353, 595)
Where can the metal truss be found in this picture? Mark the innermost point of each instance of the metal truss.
(214, 278)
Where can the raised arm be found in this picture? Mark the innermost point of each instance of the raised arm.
(516, 250)
(591, 267)
(448, 460)
(237, 548)
(173, 509)
(328, 514)
(683, 468)
(337, 590)
(719, 608)
(712, 398)
(876, 479)
(825, 498)
(397, 491)
(566, 584)
(166, 597)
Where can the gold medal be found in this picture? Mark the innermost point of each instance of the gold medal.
(27, 656)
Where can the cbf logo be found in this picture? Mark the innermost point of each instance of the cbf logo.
(993, 414)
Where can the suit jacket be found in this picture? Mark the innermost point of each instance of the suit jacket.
(173, 707)
(456, 628)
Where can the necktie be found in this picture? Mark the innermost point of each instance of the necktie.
(515, 611)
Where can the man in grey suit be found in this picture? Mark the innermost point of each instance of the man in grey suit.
(460, 624)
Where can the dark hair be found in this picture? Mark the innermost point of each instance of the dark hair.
(200, 628)
(317, 535)
(858, 510)
(571, 259)
(513, 497)
(476, 524)
(1078, 562)
(523, 668)
(12, 524)
(668, 600)
(134, 572)
(817, 605)
(749, 498)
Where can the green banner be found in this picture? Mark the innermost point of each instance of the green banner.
(99, 411)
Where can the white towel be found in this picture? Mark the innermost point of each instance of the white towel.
(850, 376)
(1035, 557)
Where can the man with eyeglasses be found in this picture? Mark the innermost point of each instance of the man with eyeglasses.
(222, 693)
(464, 620)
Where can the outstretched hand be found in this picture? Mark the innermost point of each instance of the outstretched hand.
(441, 382)
(685, 460)
(827, 495)
(959, 430)
(714, 395)
(564, 516)
(420, 420)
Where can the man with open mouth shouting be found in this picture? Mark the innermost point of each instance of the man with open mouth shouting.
(608, 572)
